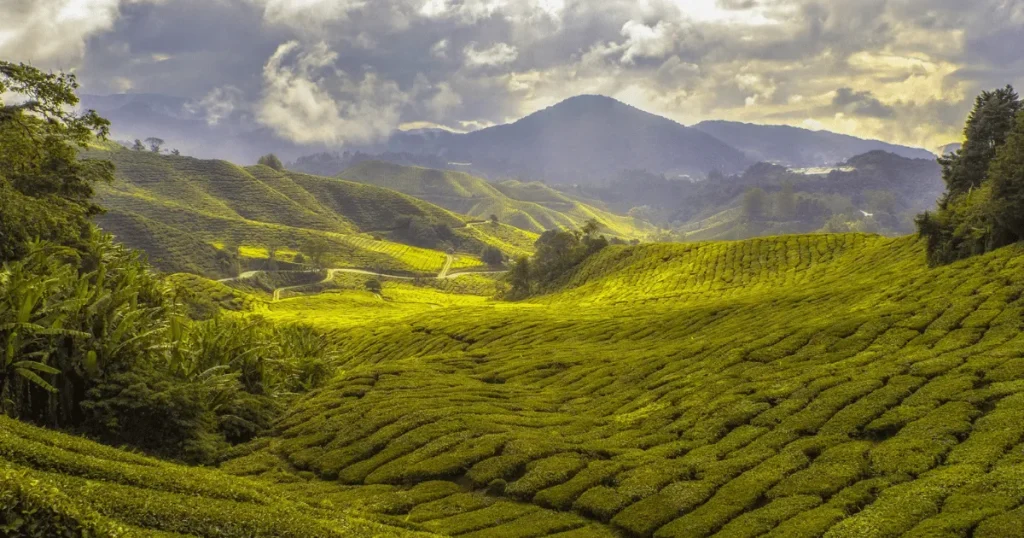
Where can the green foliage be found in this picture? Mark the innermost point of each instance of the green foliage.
(53, 484)
(981, 208)
(45, 189)
(272, 161)
(558, 253)
(492, 256)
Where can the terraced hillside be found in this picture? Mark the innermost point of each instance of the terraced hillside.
(176, 208)
(816, 385)
(56, 483)
(529, 206)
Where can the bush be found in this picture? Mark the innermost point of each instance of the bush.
(492, 256)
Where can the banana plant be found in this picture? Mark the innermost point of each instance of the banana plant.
(33, 313)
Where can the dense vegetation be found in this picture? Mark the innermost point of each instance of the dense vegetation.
(93, 340)
(983, 207)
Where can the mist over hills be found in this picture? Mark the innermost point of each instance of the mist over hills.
(584, 139)
(793, 146)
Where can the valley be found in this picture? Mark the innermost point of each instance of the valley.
(480, 306)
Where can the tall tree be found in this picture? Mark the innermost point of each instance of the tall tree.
(976, 212)
(1007, 177)
(987, 128)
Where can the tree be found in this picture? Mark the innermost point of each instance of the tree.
(138, 145)
(591, 227)
(494, 219)
(155, 144)
(754, 203)
(987, 127)
(316, 248)
(45, 187)
(492, 256)
(1007, 177)
(785, 202)
(272, 161)
(975, 213)
(519, 278)
(175, 152)
(374, 286)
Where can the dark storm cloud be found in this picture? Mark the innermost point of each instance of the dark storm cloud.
(340, 71)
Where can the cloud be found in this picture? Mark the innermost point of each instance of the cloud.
(218, 104)
(497, 54)
(52, 32)
(306, 100)
(862, 103)
(643, 41)
(905, 70)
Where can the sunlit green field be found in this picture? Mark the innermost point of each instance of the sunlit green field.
(800, 386)
(796, 386)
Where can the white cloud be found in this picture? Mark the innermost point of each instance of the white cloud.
(52, 32)
(307, 14)
(440, 49)
(218, 104)
(643, 41)
(497, 54)
(305, 99)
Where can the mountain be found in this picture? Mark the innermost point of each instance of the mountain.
(584, 139)
(877, 191)
(529, 206)
(950, 148)
(800, 148)
(181, 211)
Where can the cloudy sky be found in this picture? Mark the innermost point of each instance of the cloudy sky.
(337, 71)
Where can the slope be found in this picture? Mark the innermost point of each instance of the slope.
(529, 206)
(176, 207)
(793, 146)
(814, 385)
(61, 485)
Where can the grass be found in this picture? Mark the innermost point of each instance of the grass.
(817, 385)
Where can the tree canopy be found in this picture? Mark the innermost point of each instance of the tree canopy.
(982, 206)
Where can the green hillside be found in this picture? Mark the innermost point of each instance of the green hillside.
(65, 486)
(816, 385)
(178, 208)
(530, 206)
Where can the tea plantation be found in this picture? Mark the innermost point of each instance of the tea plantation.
(529, 206)
(182, 210)
(818, 385)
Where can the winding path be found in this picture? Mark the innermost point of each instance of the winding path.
(444, 274)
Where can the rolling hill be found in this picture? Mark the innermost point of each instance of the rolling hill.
(181, 210)
(799, 148)
(815, 385)
(529, 206)
(800, 386)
